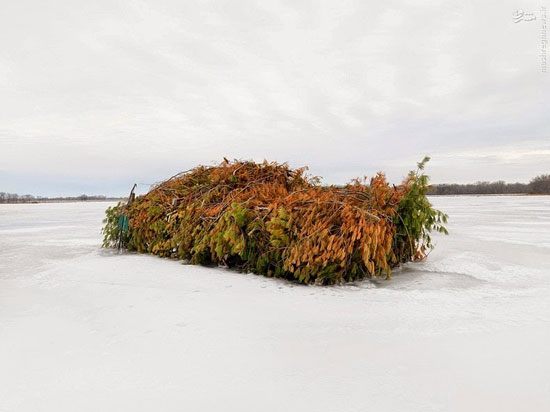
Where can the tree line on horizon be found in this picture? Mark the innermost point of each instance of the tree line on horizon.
(16, 198)
(540, 185)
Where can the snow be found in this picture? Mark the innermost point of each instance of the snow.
(87, 329)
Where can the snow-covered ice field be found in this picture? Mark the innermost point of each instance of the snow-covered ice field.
(86, 329)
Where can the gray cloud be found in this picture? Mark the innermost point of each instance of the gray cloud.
(109, 92)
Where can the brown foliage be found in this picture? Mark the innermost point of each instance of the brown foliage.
(269, 219)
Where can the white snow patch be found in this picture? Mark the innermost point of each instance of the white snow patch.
(87, 329)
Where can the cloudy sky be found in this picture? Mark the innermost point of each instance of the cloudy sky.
(96, 95)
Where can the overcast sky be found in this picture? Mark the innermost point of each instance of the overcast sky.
(96, 95)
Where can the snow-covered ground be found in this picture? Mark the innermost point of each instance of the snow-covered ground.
(86, 329)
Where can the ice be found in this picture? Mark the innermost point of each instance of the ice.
(86, 329)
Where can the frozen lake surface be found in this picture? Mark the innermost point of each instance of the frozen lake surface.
(86, 329)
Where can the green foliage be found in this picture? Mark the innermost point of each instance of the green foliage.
(416, 218)
(278, 228)
(111, 230)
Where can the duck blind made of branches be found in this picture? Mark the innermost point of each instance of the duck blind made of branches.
(269, 219)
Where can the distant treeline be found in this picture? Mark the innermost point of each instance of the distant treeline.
(15, 198)
(540, 185)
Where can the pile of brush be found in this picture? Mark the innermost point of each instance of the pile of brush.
(269, 219)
